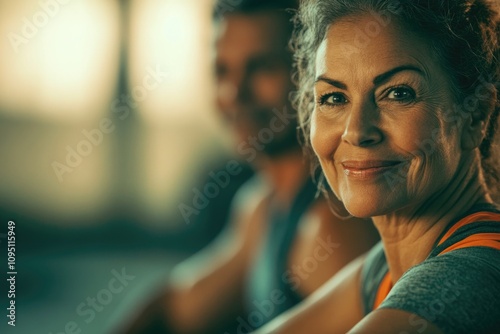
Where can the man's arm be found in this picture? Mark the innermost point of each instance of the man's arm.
(200, 295)
(325, 244)
(387, 321)
(336, 308)
(333, 309)
(207, 290)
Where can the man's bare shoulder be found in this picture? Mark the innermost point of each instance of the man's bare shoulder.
(250, 197)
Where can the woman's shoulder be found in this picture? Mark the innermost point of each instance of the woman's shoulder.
(457, 291)
(456, 288)
(480, 260)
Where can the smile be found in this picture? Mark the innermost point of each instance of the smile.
(367, 169)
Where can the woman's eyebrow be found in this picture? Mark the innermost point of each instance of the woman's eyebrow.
(379, 79)
(332, 82)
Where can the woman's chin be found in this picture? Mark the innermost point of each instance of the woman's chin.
(372, 202)
(366, 208)
(359, 211)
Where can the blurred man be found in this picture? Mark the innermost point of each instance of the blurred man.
(283, 242)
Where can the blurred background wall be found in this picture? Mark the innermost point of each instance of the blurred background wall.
(107, 122)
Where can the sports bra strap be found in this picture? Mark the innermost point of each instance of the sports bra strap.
(473, 218)
(383, 290)
(490, 240)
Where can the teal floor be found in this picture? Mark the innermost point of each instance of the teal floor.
(50, 287)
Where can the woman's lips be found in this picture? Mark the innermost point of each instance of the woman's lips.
(367, 169)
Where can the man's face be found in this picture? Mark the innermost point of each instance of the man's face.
(253, 76)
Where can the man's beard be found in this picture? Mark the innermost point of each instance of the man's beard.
(284, 141)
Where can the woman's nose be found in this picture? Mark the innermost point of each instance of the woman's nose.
(361, 128)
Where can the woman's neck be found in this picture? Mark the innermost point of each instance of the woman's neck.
(410, 233)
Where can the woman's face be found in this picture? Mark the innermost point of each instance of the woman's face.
(381, 126)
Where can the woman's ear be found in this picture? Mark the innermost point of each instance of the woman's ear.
(475, 125)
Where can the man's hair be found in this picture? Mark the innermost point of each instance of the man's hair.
(225, 7)
(284, 10)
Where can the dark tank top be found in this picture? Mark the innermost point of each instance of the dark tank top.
(268, 292)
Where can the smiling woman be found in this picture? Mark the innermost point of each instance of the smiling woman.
(373, 109)
(398, 104)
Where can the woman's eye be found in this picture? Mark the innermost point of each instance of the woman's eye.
(401, 94)
(333, 99)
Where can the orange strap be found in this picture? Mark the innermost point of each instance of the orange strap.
(383, 290)
(475, 217)
(490, 240)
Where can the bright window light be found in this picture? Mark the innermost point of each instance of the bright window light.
(173, 37)
(60, 58)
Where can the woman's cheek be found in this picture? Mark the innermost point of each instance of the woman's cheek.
(324, 137)
(325, 141)
(432, 157)
(333, 181)
(314, 134)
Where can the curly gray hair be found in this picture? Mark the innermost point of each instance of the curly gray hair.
(464, 34)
